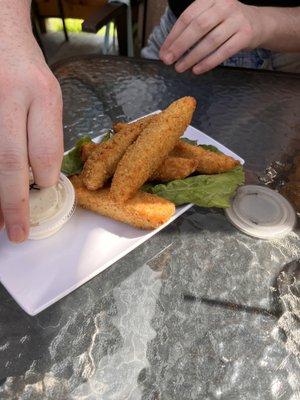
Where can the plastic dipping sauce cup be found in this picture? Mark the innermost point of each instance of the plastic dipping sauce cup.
(50, 208)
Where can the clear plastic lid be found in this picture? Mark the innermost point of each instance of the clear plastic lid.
(261, 212)
(50, 208)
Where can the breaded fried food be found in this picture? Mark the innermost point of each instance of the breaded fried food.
(87, 149)
(118, 126)
(147, 153)
(144, 210)
(209, 162)
(103, 161)
(174, 168)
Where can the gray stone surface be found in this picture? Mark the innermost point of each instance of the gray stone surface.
(192, 313)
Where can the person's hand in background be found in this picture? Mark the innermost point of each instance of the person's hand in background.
(210, 31)
(30, 118)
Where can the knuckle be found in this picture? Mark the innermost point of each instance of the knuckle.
(13, 207)
(10, 161)
(48, 85)
(186, 17)
(247, 29)
(214, 39)
(56, 88)
(177, 48)
(202, 24)
(198, 23)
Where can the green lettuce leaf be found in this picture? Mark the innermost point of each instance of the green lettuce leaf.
(108, 135)
(202, 190)
(210, 147)
(72, 163)
(189, 141)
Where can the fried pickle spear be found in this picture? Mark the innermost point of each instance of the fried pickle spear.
(144, 210)
(87, 149)
(174, 168)
(208, 161)
(118, 126)
(147, 153)
(103, 161)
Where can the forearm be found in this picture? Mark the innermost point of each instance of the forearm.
(280, 28)
(15, 17)
(16, 38)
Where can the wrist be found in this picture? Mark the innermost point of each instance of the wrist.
(16, 17)
(258, 25)
(267, 25)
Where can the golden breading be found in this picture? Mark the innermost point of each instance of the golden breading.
(87, 149)
(118, 126)
(208, 161)
(174, 168)
(144, 157)
(144, 210)
(103, 161)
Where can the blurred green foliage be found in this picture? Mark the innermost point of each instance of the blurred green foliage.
(73, 25)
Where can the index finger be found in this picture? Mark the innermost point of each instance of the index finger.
(14, 187)
(45, 134)
(194, 10)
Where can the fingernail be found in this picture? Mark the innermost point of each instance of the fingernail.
(16, 234)
(197, 71)
(169, 58)
(179, 67)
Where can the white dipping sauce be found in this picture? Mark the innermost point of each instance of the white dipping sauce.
(50, 208)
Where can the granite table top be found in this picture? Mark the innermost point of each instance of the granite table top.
(200, 311)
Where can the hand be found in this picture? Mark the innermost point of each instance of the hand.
(213, 31)
(30, 129)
